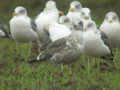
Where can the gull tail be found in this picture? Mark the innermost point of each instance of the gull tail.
(109, 57)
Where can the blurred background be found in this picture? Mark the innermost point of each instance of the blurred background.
(34, 7)
(17, 74)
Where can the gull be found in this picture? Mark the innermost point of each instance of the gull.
(96, 43)
(49, 15)
(22, 28)
(64, 20)
(86, 13)
(85, 16)
(64, 50)
(111, 27)
(61, 29)
(3, 30)
(74, 12)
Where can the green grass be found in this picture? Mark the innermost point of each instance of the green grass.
(17, 74)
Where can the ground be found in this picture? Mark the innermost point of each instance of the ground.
(17, 74)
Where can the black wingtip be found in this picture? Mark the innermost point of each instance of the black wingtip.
(109, 57)
(7, 36)
(3, 27)
(33, 60)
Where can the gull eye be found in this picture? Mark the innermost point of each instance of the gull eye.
(22, 11)
(83, 13)
(66, 20)
(77, 6)
(89, 25)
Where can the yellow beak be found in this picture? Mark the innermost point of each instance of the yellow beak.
(14, 14)
(86, 17)
(61, 13)
(71, 9)
(110, 20)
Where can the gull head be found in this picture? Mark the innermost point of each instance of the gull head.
(78, 25)
(50, 5)
(111, 17)
(64, 19)
(19, 11)
(91, 25)
(75, 6)
(86, 13)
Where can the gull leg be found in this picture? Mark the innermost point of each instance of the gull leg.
(116, 49)
(36, 47)
(88, 67)
(114, 61)
(16, 49)
(39, 46)
(98, 64)
(29, 53)
(35, 59)
(62, 67)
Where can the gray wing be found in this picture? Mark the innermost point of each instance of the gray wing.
(44, 40)
(60, 52)
(66, 56)
(44, 37)
(105, 39)
(33, 25)
(106, 42)
(3, 27)
(57, 44)
(53, 48)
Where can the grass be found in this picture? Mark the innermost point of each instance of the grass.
(17, 74)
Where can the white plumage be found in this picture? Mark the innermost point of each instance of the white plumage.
(95, 42)
(58, 31)
(64, 50)
(74, 11)
(94, 46)
(111, 27)
(66, 21)
(85, 16)
(86, 13)
(49, 15)
(21, 27)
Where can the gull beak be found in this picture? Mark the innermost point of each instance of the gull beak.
(61, 13)
(86, 17)
(14, 14)
(71, 9)
(110, 20)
